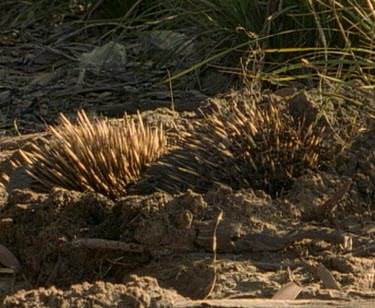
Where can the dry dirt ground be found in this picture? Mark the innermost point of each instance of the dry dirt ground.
(156, 249)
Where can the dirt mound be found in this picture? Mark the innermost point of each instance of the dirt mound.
(82, 249)
(57, 240)
(98, 294)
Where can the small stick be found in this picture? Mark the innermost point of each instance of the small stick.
(214, 249)
(328, 206)
(171, 90)
(214, 244)
(97, 243)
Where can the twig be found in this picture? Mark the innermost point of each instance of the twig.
(97, 243)
(328, 206)
(171, 90)
(214, 249)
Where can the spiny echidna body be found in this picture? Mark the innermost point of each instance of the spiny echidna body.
(95, 155)
(250, 145)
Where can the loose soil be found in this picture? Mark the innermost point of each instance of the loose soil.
(324, 224)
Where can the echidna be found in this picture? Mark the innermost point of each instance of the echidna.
(248, 145)
(95, 155)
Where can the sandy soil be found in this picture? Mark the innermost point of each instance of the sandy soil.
(156, 249)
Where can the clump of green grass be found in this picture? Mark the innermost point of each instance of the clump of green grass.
(281, 43)
(278, 42)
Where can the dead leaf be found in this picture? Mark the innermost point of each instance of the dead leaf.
(329, 282)
(290, 291)
(8, 259)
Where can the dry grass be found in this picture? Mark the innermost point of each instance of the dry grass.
(95, 155)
